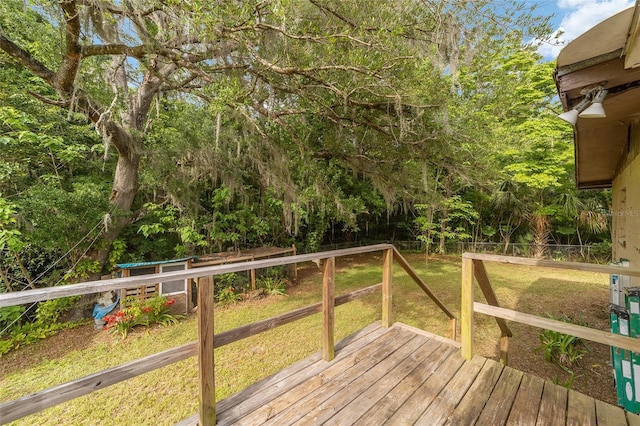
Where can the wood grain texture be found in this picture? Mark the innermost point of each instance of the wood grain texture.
(15, 409)
(398, 376)
(374, 392)
(608, 415)
(466, 309)
(587, 333)
(292, 407)
(207, 398)
(471, 405)
(575, 266)
(387, 290)
(328, 305)
(252, 398)
(93, 287)
(496, 410)
(553, 405)
(413, 407)
(581, 410)
(524, 410)
(416, 278)
(393, 400)
(445, 403)
(482, 278)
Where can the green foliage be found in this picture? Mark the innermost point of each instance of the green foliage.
(451, 224)
(9, 316)
(83, 270)
(167, 220)
(274, 286)
(116, 253)
(280, 161)
(561, 349)
(228, 295)
(567, 384)
(49, 311)
(9, 235)
(15, 333)
(154, 310)
(229, 287)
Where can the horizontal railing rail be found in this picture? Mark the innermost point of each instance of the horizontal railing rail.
(473, 266)
(33, 403)
(91, 287)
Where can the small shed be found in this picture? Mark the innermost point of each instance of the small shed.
(167, 288)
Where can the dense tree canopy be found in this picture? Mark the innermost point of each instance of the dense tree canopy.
(149, 129)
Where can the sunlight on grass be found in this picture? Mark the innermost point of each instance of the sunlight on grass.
(173, 391)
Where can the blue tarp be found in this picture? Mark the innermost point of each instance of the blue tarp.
(156, 262)
(99, 311)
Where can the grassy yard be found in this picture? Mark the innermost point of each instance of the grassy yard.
(168, 395)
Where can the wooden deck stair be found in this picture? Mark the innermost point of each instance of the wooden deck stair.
(404, 376)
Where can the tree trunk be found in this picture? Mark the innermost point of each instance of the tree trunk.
(443, 229)
(540, 225)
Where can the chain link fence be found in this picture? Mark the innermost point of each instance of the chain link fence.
(591, 253)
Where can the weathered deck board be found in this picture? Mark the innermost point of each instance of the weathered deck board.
(411, 410)
(398, 395)
(553, 405)
(497, 408)
(391, 365)
(372, 394)
(524, 410)
(581, 410)
(270, 404)
(400, 376)
(609, 415)
(315, 405)
(633, 419)
(441, 408)
(471, 405)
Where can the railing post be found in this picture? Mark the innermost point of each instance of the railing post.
(466, 309)
(387, 295)
(295, 265)
(328, 306)
(480, 273)
(253, 276)
(207, 408)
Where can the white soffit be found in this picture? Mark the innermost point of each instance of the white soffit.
(606, 37)
(631, 49)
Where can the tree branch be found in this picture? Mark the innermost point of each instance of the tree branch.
(66, 74)
(334, 13)
(25, 59)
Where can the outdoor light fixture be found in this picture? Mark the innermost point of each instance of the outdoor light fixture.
(596, 110)
(571, 116)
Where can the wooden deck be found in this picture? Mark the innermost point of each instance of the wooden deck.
(403, 376)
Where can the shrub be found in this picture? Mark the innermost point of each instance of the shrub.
(228, 295)
(273, 286)
(562, 349)
(45, 324)
(153, 311)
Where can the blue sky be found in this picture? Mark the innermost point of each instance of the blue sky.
(574, 17)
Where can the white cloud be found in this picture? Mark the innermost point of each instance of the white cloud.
(580, 16)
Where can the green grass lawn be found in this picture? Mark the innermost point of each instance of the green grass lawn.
(168, 395)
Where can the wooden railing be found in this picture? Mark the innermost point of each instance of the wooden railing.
(473, 266)
(207, 341)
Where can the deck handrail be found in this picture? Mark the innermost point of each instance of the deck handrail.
(91, 287)
(473, 266)
(18, 408)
